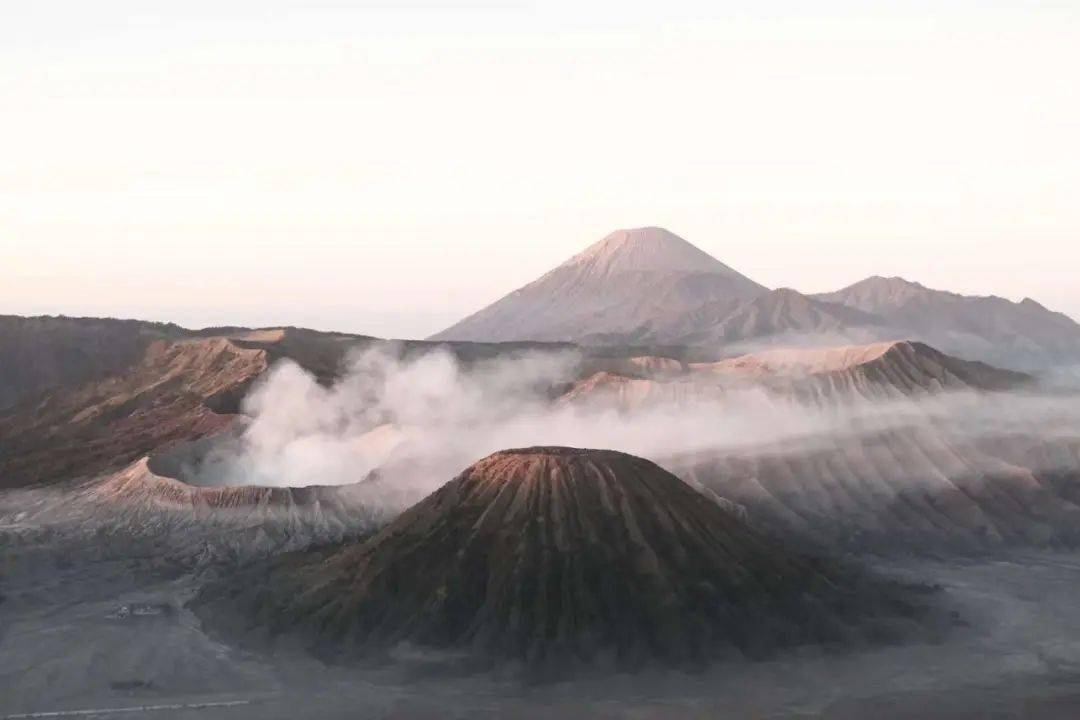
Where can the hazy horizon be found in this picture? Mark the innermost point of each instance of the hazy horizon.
(388, 168)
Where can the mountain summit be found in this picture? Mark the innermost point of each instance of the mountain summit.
(648, 249)
(627, 281)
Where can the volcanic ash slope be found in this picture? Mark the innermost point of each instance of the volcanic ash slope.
(544, 559)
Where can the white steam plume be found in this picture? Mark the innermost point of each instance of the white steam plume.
(420, 420)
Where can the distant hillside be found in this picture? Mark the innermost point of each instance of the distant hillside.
(1023, 335)
(37, 353)
(779, 314)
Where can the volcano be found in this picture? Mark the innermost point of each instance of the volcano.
(552, 556)
(630, 280)
(649, 288)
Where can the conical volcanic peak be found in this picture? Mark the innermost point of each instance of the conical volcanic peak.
(628, 280)
(549, 557)
(649, 249)
(580, 490)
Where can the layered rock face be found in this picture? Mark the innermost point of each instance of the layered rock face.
(550, 557)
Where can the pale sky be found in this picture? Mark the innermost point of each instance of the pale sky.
(388, 167)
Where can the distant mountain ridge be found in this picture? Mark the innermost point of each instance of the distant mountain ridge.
(1021, 334)
(648, 286)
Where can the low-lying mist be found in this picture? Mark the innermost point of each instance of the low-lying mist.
(419, 420)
